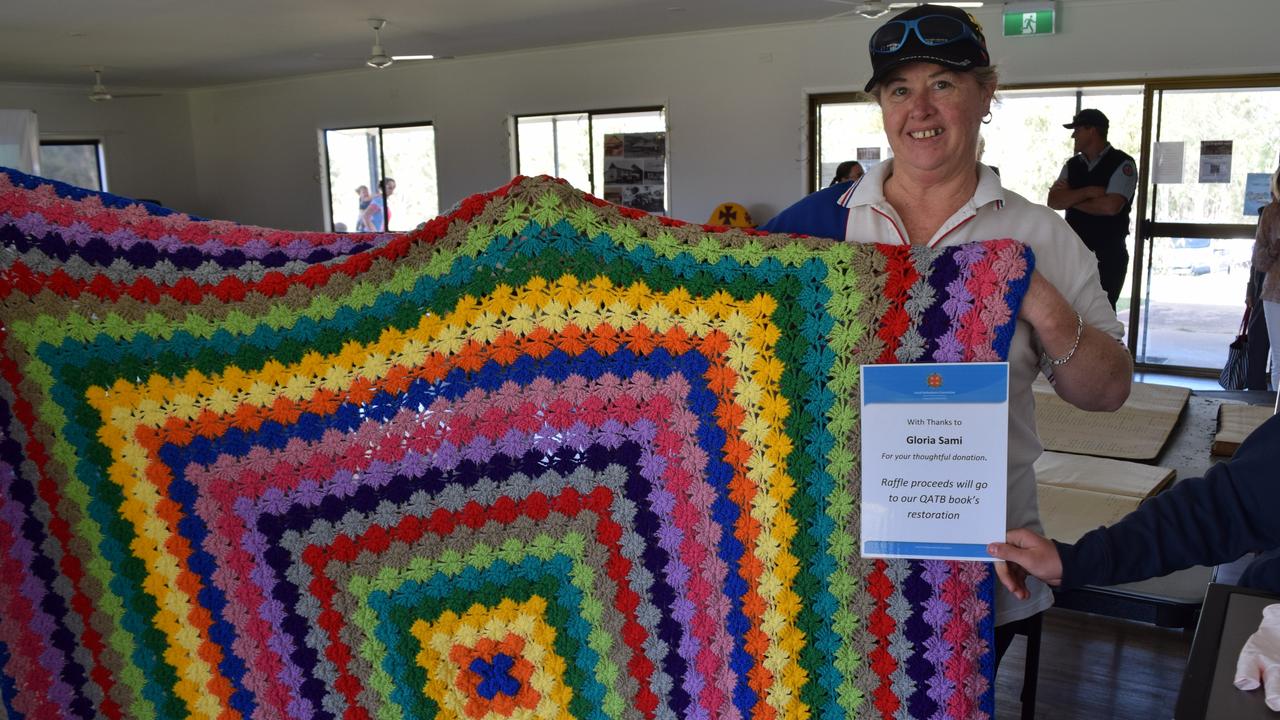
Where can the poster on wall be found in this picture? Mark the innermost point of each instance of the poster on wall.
(1257, 192)
(1215, 161)
(1167, 168)
(635, 170)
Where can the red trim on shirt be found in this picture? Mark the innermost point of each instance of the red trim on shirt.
(901, 236)
(962, 222)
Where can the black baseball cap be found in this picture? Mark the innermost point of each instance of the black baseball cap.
(955, 40)
(1089, 117)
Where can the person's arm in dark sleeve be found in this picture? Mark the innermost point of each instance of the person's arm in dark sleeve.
(1232, 510)
(818, 214)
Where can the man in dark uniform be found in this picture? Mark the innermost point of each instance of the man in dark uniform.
(1096, 189)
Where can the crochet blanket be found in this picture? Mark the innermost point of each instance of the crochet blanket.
(546, 457)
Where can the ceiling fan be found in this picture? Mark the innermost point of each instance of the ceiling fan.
(99, 92)
(875, 8)
(380, 59)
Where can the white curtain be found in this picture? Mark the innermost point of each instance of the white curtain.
(19, 141)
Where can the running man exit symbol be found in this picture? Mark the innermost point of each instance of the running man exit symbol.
(1029, 22)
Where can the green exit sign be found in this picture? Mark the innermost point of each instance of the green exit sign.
(1029, 22)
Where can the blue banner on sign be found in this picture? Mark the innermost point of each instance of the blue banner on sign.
(935, 383)
(924, 549)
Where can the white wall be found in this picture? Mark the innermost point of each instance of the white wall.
(736, 102)
(146, 141)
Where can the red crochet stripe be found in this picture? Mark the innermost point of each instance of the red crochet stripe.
(881, 626)
(963, 667)
(900, 276)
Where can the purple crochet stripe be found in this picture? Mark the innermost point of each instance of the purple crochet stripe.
(937, 612)
(446, 457)
(79, 233)
(42, 623)
(935, 321)
(918, 632)
(958, 302)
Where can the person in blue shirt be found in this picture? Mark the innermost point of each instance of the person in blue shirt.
(377, 216)
(1233, 510)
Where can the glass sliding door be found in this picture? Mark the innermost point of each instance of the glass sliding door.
(1027, 143)
(1206, 141)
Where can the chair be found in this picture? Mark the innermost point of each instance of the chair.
(1031, 629)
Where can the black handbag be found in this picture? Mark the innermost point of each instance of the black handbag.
(1234, 375)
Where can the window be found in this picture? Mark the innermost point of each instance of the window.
(848, 127)
(359, 159)
(630, 170)
(75, 162)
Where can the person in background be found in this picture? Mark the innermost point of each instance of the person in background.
(1210, 520)
(378, 215)
(1096, 189)
(362, 194)
(1266, 262)
(932, 79)
(982, 149)
(847, 171)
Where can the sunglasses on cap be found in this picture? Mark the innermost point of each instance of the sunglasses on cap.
(931, 30)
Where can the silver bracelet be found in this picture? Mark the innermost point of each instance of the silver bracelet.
(1055, 362)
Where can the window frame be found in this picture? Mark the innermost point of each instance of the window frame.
(591, 158)
(382, 159)
(99, 154)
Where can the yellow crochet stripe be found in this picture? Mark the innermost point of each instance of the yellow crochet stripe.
(524, 620)
(126, 407)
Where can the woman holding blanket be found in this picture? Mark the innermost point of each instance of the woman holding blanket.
(933, 80)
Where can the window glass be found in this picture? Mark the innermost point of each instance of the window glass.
(74, 162)
(1194, 298)
(849, 131)
(360, 158)
(572, 146)
(410, 154)
(1247, 118)
(556, 145)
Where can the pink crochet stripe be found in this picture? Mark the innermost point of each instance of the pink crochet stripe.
(41, 211)
(960, 592)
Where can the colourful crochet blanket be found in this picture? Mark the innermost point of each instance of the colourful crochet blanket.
(546, 457)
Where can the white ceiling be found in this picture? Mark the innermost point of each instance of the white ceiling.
(184, 44)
